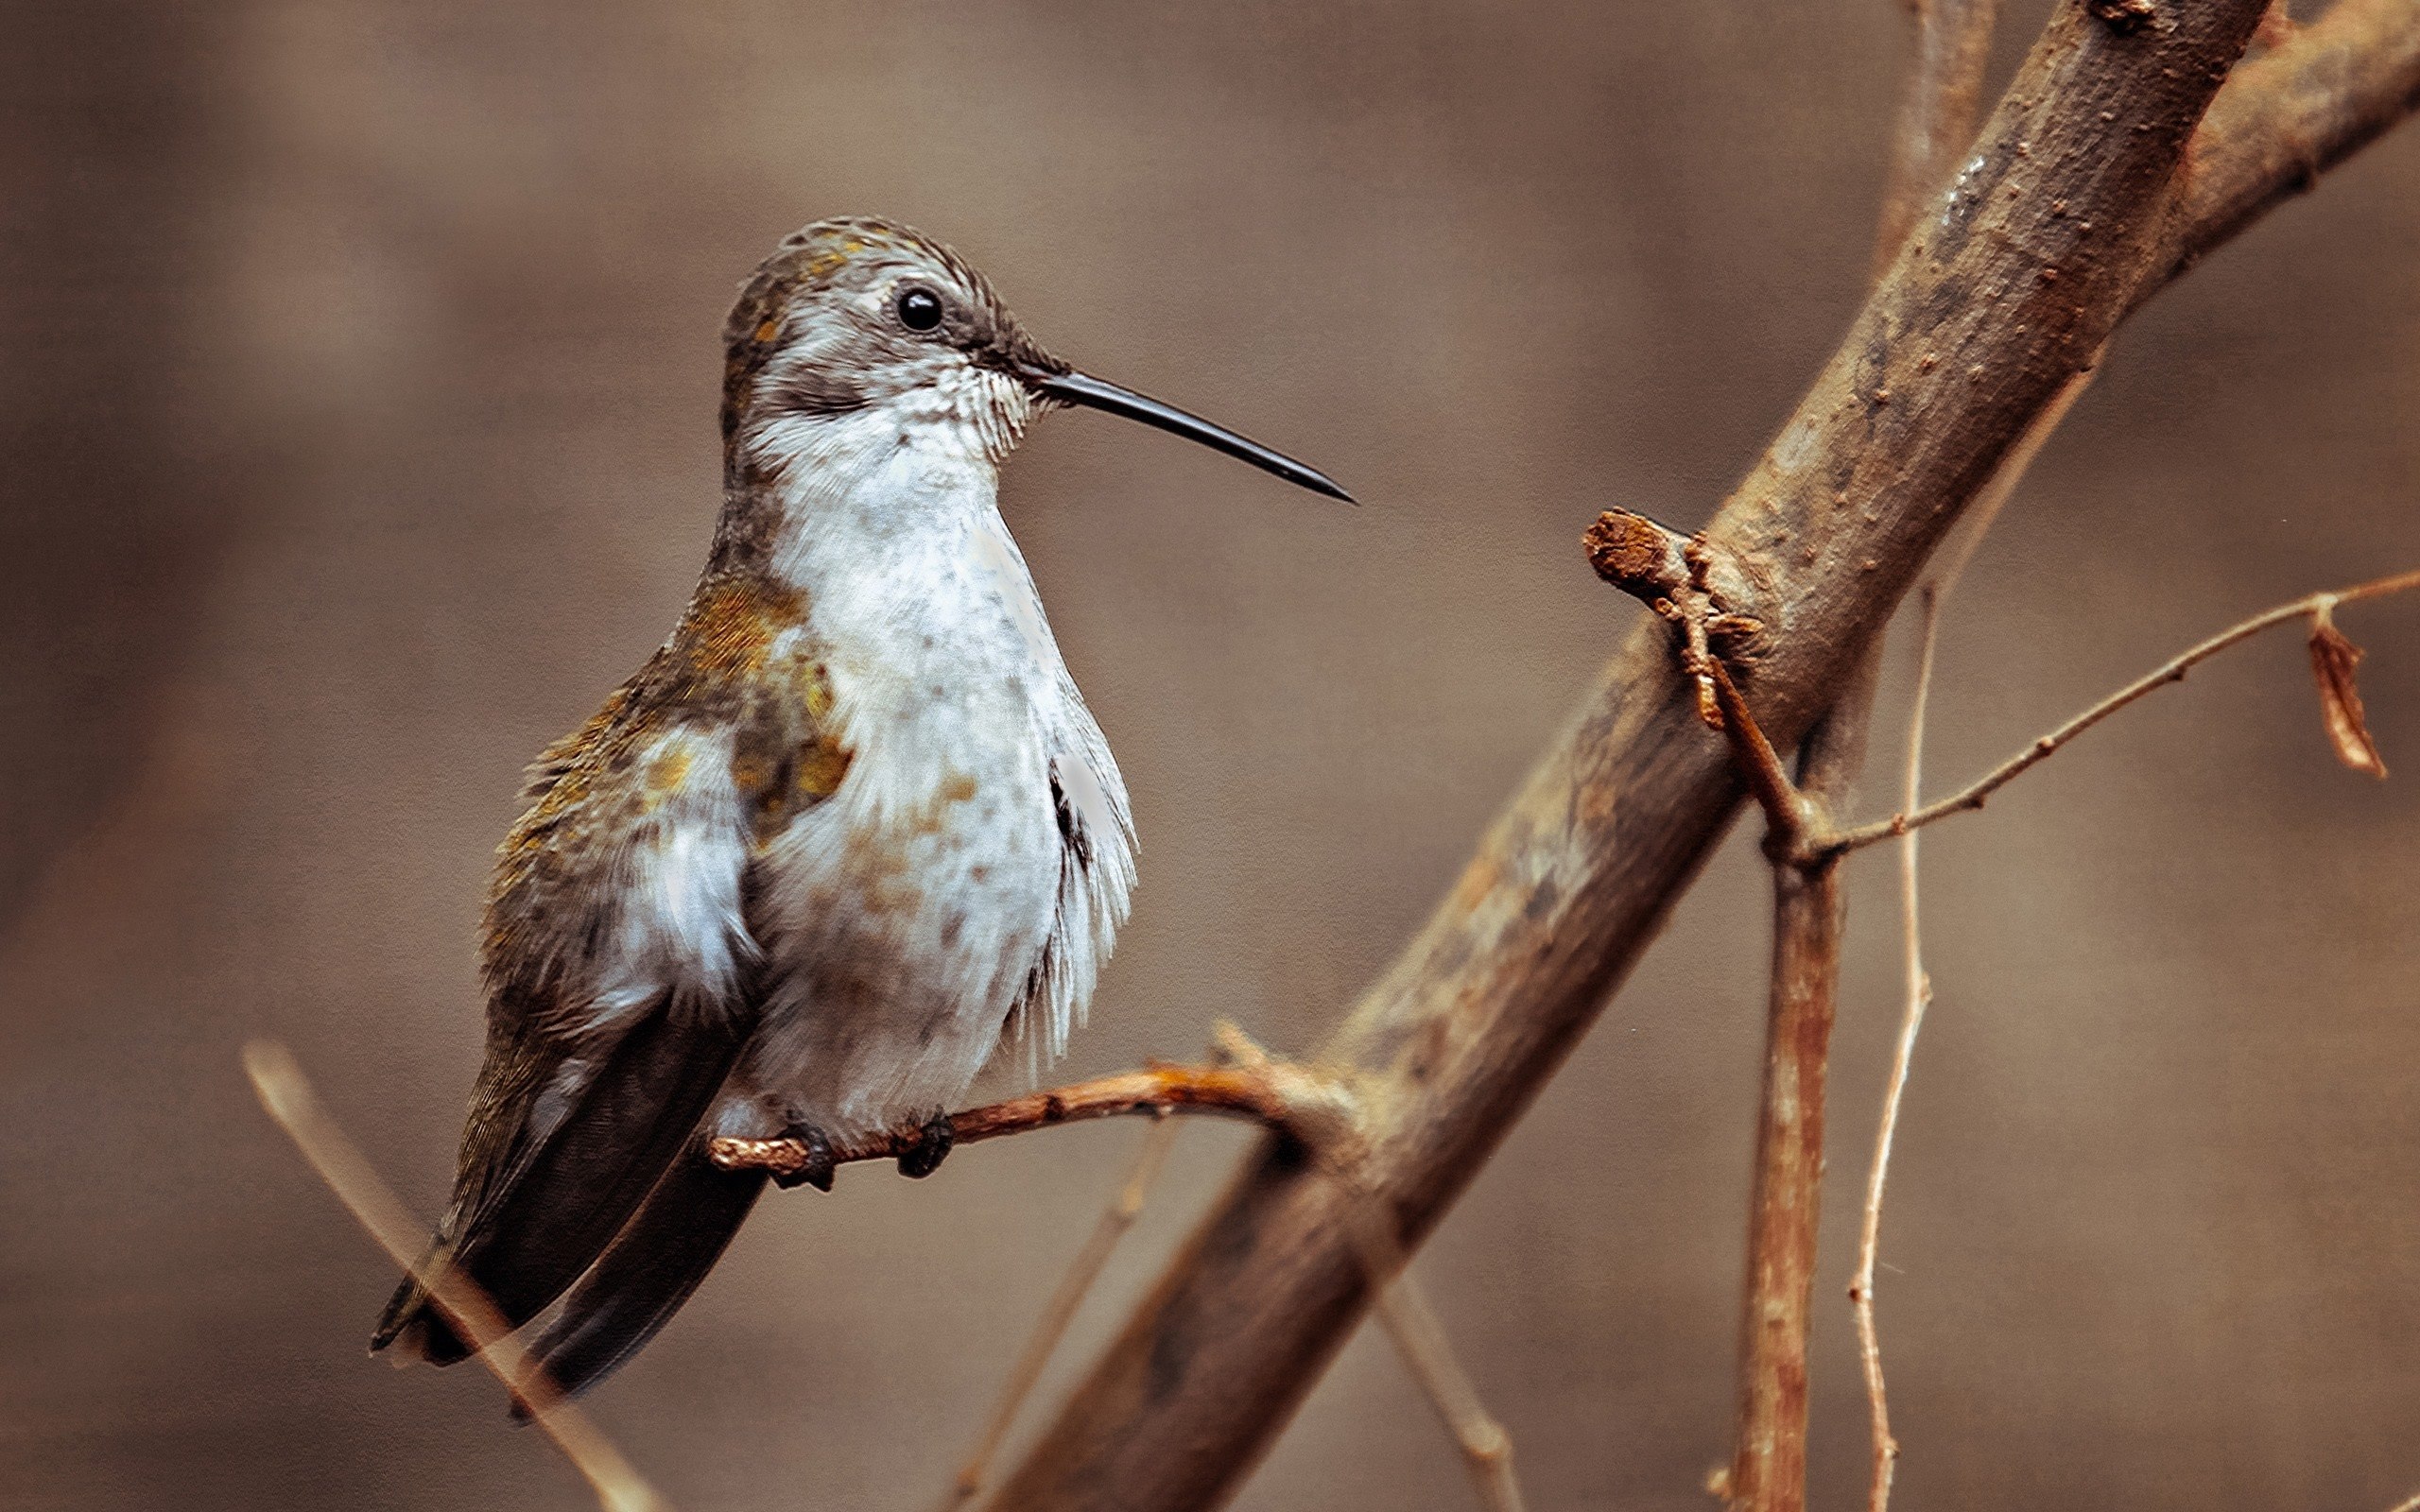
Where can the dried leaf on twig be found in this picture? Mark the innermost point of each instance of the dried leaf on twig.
(2333, 659)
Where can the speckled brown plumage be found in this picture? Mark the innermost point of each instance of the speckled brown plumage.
(850, 828)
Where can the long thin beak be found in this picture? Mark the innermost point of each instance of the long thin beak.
(1078, 389)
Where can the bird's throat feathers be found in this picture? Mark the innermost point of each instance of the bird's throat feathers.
(884, 522)
(800, 485)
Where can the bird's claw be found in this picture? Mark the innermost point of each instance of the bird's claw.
(817, 1171)
(932, 1146)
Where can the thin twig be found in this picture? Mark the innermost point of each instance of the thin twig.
(1975, 794)
(1937, 113)
(1487, 1449)
(1917, 982)
(2410, 1504)
(1767, 1469)
(288, 1095)
(1985, 510)
(1073, 1288)
(1918, 988)
(1428, 1357)
(1791, 823)
(1274, 1093)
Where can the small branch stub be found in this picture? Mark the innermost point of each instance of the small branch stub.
(1637, 555)
(1658, 565)
(1686, 581)
(1675, 575)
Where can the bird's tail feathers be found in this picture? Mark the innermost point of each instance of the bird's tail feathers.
(576, 1183)
(651, 1270)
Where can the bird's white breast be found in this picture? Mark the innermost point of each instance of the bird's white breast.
(914, 913)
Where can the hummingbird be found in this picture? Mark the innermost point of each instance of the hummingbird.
(848, 833)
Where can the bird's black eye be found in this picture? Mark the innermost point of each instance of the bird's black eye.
(920, 309)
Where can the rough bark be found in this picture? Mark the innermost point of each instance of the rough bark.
(2011, 281)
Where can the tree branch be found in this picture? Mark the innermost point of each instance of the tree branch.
(1412, 1326)
(1124, 1208)
(2045, 243)
(1317, 1113)
(2173, 670)
(1768, 1470)
(1917, 988)
(1917, 985)
(286, 1093)
(1936, 112)
(1272, 1092)
(2286, 117)
(1789, 819)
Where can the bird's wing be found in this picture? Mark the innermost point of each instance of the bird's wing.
(669, 1244)
(618, 963)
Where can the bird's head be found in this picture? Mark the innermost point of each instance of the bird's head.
(858, 316)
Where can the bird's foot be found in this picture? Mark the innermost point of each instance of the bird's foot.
(932, 1145)
(817, 1171)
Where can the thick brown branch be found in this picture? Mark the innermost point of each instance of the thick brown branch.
(2288, 116)
(2009, 290)
(1769, 1464)
(1273, 1095)
(1974, 795)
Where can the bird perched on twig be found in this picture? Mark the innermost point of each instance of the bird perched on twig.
(847, 831)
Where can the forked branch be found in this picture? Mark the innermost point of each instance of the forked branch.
(2061, 227)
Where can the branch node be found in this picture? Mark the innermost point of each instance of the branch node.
(1652, 561)
(1676, 577)
(1637, 555)
(1157, 1421)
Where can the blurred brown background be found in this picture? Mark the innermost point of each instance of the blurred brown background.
(360, 378)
